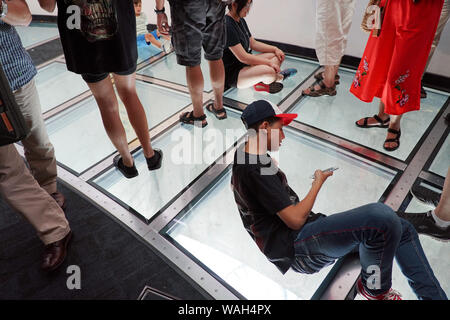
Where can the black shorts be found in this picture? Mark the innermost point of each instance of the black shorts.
(197, 24)
(232, 75)
(93, 78)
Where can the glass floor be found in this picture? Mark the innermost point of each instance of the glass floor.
(183, 162)
(434, 250)
(36, 33)
(212, 231)
(81, 125)
(146, 52)
(169, 70)
(51, 83)
(441, 163)
(224, 248)
(338, 115)
(304, 67)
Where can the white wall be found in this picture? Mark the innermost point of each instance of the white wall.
(293, 22)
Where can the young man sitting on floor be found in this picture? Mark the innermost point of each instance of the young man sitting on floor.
(292, 236)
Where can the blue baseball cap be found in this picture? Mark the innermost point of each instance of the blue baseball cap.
(262, 109)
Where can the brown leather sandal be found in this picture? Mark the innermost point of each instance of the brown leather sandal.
(320, 76)
(323, 91)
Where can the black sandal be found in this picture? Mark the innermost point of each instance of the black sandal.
(188, 118)
(323, 91)
(396, 140)
(210, 108)
(319, 76)
(381, 123)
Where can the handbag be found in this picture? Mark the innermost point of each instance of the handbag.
(13, 127)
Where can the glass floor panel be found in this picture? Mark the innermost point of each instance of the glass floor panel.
(304, 68)
(212, 231)
(82, 127)
(37, 32)
(151, 191)
(441, 163)
(338, 114)
(437, 253)
(146, 52)
(169, 70)
(51, 83)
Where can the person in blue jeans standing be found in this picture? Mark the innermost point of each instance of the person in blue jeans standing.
(292, 236)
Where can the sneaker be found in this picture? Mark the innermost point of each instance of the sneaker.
(154, 162)
(287, 73)
(390, 295)
(128, 172)
(425, 195)
(424, 223)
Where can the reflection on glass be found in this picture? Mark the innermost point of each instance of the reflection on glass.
(339, 113)
(437, 253)
(56, 85)
(188, 151)
(146, 52)
(441, 163)
(304, 68)
(212, 231)
(78, 134)
(169, 70)
(37, 32)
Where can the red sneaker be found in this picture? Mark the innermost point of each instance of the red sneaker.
(390, 295)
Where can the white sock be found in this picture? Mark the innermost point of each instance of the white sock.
(439, 222)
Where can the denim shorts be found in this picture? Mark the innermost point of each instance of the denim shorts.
(197, 24)
(93, 78)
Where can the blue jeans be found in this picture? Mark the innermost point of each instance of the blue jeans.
(379, 235)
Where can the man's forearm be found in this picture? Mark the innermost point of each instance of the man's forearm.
(18, 13)
(159, 4)
(47, 5)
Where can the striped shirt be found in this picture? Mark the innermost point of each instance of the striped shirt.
(15, 60)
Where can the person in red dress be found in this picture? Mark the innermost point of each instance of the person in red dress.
(392, 64)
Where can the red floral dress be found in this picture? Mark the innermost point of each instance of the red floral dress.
(393, 63)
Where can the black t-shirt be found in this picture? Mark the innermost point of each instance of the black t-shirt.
(103, 41)
(237, 32)
(261, 191)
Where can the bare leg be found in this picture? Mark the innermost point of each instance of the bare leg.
(443, 208)
(217, 74)
(195, 83)
(126, 88)
(105, 96)
(250, 76)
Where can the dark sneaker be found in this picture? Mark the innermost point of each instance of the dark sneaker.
(287, 73)
(390, 295)
(128, 172)
(425, 195)
(154, 162)
(425, 224)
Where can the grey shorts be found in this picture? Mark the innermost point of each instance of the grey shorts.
(197, 24)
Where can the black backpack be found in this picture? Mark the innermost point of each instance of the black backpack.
(13, 127)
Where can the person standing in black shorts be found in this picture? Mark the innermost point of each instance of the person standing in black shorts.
(197, 24)
(99, 38)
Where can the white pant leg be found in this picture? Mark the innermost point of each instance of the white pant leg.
(333, 22)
